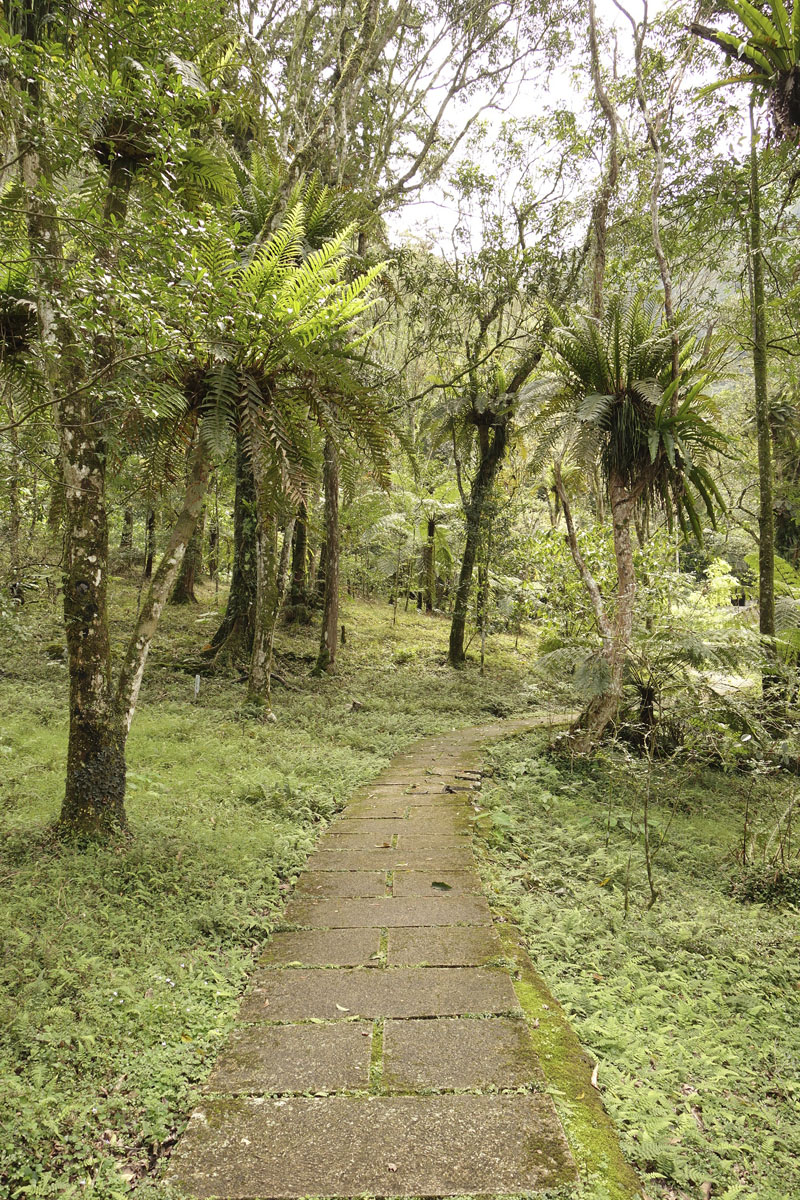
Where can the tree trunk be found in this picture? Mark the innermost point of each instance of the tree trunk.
(319, 582)
(212, 558)
(233, 641)
(126, 537)
(766, 519)
(298, 587)
(430, 566)
(603, 708)
(191, 567)
(492, 451)
(130, 679)
(14, 499)
(602, 203)
(459, 622)
(149, 543)
(330, 612)
(283, 564)
(94, 799)
(95, 785)
(259, 685)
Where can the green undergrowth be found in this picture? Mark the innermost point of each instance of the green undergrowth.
(690, 1007)
(121, 966)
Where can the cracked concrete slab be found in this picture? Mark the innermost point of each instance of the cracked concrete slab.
(323, 948)
(299, 994)
(447, 946)
(390, 911)
(330, 884)
(294, 1058)
(459, 1052)
(381, 1146)
(381, 829)
(432, 883)
(386, 858)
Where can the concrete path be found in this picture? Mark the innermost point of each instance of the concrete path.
(381, 1048)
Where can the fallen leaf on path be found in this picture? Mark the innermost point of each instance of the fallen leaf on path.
(341, 1008)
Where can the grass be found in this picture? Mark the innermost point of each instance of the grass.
(122, 965)
(691, 1007)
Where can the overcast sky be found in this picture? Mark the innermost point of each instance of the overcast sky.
(434, 214)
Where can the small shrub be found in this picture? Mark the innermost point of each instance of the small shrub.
(768, 885)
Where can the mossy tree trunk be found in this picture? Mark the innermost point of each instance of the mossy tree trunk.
(94, 798)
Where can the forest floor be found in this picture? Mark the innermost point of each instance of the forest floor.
(123, 966)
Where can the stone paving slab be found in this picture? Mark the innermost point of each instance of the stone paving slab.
(329, 884)
(370, 810)
(324, 948)
(438, 799)
(294, 1058)
(432, 822)
(357, 841)
(330, 857)
(394, 804)
(447, 946)
(424, 883)
(451, 858)
(381, 829)
(459, 1052)
(343, 1146)
(417, 840)
(408, 785)
(298, 995)
(400, 789)
(388, 912)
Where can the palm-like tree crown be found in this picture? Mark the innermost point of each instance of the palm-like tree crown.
(610, 395)
(767, 53)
